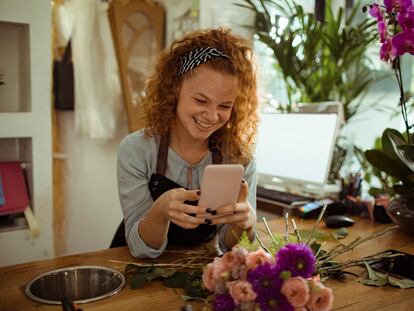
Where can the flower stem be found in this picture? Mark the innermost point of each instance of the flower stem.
(398, 75)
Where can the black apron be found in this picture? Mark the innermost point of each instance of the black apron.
(159, 184)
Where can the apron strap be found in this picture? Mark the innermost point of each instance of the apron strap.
(163, 155)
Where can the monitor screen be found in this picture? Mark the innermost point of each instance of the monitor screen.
(295, 148)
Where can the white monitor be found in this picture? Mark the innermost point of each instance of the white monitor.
(294, 150)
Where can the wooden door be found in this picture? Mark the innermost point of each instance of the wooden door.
(138, 31)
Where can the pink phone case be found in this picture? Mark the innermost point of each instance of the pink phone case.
(220, 185)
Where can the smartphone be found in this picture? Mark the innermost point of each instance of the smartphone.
(220, 185)
(400, 266)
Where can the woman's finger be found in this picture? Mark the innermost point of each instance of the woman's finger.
(185, 218)
(232, 208)
(182, 195)
(187, 208)
(230, 219)
(244, 191)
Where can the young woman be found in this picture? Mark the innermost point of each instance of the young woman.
(201, 108)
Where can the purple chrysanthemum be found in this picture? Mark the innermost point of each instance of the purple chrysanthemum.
(223, 303)
(296, 258)
(265, 279)
(276, 301)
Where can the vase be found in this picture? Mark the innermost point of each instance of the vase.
(401, 211)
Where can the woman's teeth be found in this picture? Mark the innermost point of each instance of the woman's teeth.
(206, 125)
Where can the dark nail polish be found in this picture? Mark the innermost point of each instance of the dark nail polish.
(198, 192)
(209, 210)
(207, 221)
(214, 213)
(243, 181)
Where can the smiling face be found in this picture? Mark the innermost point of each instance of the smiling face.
(205, 103)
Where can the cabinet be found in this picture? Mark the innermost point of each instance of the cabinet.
(25, 121)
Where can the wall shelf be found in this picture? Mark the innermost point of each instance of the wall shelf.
(25, 123)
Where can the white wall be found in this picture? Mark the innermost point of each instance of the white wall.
(92, 208)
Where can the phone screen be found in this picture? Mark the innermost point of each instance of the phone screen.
(400, 266)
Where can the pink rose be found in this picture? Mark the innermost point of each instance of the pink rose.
(257, 258)
(233, 258)
(296, 291)
(321, 298)
(208, 277)
(219, 271)
(241, 291)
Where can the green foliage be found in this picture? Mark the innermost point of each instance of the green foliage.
(376, 278)
(245, 242)
(191, 282)
(395, 158)
(319, 61)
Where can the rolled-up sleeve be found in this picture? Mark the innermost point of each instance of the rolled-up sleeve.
(250, 175)
(133, 171)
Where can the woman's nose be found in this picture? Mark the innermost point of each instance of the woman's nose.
(211, 114)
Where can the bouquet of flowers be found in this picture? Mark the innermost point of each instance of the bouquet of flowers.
(254, 280)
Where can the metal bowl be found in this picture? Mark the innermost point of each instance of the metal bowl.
(80, 284)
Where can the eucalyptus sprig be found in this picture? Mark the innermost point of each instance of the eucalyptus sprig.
(183, 273)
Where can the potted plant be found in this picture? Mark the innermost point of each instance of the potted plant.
(318, 60)
(396, 157)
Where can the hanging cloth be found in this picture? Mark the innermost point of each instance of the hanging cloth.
(98, 97)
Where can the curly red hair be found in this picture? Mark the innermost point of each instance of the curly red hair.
(235, 139)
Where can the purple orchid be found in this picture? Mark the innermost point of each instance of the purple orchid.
(387, 51)
(397, 5)
(406, 19)
(383, 31)
(403, 42)
(375, 11)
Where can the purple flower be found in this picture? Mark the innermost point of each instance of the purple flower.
(274, 301)
(403, 42)
(406, 19)
(375, 11)
(397, 5)
(296, 258)
(223, 303)
(265, 279)
(382, 30)
(387, 51)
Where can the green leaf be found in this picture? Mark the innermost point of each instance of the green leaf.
(400, 282)
(245, 242)
(193, 289)
(374, 277)
(130, 269)
(317, 235)
(177, 280)
(387, 145)
(378, 283)
(138, 280)
(389, 165)
(397, 141)
(340, 234)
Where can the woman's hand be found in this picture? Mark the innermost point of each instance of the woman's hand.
(240, 214)
(170, 205)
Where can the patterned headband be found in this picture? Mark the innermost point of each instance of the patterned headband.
(197, 57)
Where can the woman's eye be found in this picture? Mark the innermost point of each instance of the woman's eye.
(200, 101)
(225, 107)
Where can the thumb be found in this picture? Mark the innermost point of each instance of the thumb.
(244, 191)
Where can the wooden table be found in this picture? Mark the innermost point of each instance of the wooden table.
(349, 295)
